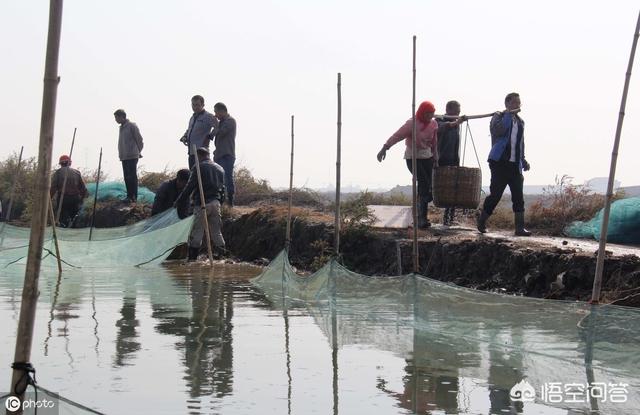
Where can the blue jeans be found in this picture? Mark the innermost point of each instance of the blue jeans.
(226, 162)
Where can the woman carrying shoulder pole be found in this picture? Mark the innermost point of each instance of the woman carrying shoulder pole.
(426, 154)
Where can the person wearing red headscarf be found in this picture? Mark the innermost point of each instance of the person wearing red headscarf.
(426, 154)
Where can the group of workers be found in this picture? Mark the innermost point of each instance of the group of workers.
(438, 144)
(216, 176)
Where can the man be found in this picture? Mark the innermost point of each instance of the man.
(506, 161)
(225, 152)
(449, 145)
(74, 191)
(201, 130)
(168, 192)
(129, 148)
(213, 188)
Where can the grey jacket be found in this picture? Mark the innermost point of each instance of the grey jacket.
(225, 139)
(129, 141)
(202, 127)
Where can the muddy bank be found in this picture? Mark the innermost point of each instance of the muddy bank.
(461, 257)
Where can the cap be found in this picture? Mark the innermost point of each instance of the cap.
(64, 159)
(204, 150)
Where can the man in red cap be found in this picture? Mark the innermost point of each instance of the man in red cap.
(74, 191)
(426, 154)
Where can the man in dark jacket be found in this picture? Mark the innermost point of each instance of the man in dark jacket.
(168, 192)
(507, 161)
(225, 152)
(449, 145)
(213, 189)
(74, 191)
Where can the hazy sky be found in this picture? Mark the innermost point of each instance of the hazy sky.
(270, 59)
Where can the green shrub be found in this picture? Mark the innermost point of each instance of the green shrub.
(25, 180)
(153, 180)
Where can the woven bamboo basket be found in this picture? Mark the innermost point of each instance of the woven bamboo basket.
(457, 187)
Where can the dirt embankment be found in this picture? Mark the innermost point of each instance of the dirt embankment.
(508, 265)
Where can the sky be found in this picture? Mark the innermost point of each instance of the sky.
(270, 59)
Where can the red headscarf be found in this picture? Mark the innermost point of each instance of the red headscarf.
(425, 106)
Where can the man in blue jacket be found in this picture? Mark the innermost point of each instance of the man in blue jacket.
(506, 161)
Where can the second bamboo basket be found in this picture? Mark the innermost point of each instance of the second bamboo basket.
(457, 187)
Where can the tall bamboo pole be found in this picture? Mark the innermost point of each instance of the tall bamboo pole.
(64, 179)
(52, 217)
(339, 140)
(95, 196)
(203, 207)
(597, 282)
(24, 336)
(416, 264)
(288, 236)
(13, 186)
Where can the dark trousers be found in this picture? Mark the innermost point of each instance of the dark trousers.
(130, 173)
(227, 161)
(192, 161)
(71, 205)
(503, 174)
(423, 177)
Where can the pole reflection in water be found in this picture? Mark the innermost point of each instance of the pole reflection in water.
(184, 339)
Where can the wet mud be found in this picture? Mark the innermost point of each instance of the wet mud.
(462, 258)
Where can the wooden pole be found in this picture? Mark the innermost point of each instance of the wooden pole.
(13, 186)
(416, 264)
(203, 207)
(24, 336)
(64, 179)
(337, 218)
(52, 217)
(473, 117)
(288, 236)
(597, 282)
(95, 196)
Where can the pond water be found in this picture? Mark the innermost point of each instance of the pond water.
(193, 340)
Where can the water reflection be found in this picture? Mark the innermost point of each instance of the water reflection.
(189, 340)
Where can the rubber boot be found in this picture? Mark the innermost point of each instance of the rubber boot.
(519, 219)
(193, 253)
(481, 222)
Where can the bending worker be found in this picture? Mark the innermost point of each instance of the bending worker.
(426, 154)
(213, 188)
(168, 192)
(74, 191)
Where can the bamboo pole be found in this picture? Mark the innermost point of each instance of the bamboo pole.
(52, 217)
(24, 336)
(416, 264)
(95, 196)
(339, 140)
(473, 117)
(203, 206)
(288, 236)
(13, 186)
(64, 179)
(597, 282)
